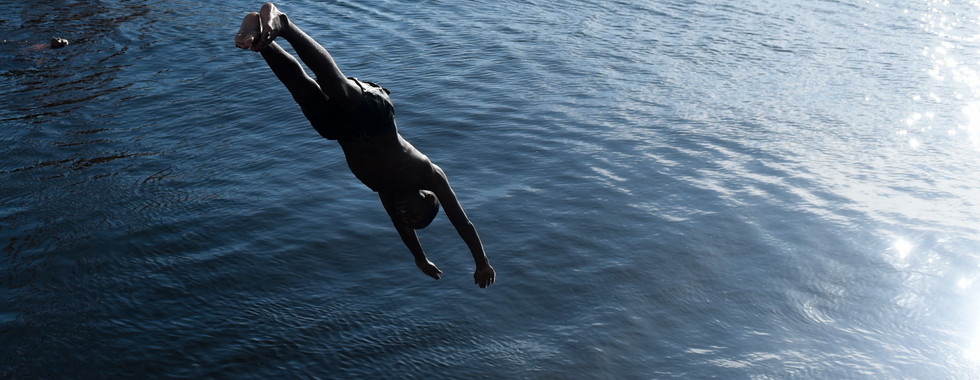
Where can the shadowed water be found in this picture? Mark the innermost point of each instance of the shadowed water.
(781, 189)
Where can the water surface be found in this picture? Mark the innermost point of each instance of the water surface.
(782, 189)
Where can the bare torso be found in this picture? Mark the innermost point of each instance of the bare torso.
(388, 163)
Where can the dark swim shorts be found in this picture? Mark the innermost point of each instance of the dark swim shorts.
(375, 115)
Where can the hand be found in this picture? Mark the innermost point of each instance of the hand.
(428, 268)
(484, 276)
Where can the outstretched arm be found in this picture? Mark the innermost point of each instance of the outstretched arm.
(411, 240)
(484, 274)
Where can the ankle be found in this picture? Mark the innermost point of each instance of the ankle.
(286, 29)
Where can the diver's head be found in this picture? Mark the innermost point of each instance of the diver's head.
(416, 209)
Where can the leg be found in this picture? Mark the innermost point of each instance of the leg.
(332, 81)
(305, 91)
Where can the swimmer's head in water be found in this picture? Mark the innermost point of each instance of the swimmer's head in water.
(416, 209)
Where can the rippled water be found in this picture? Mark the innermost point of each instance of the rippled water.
(781, 189)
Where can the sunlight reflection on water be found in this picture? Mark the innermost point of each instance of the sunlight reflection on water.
(953, 61)
(903, 248)
(946, 118)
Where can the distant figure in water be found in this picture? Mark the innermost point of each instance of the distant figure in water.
(58, 43)
(360, 116)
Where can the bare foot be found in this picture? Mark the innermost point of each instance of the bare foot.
(249, 32)
(272, 22)
(429, 269)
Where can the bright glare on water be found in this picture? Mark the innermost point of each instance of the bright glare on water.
(666, 189)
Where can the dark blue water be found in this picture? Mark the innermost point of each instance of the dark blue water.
(692, 189)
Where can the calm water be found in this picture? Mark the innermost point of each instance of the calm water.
(666, 188)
